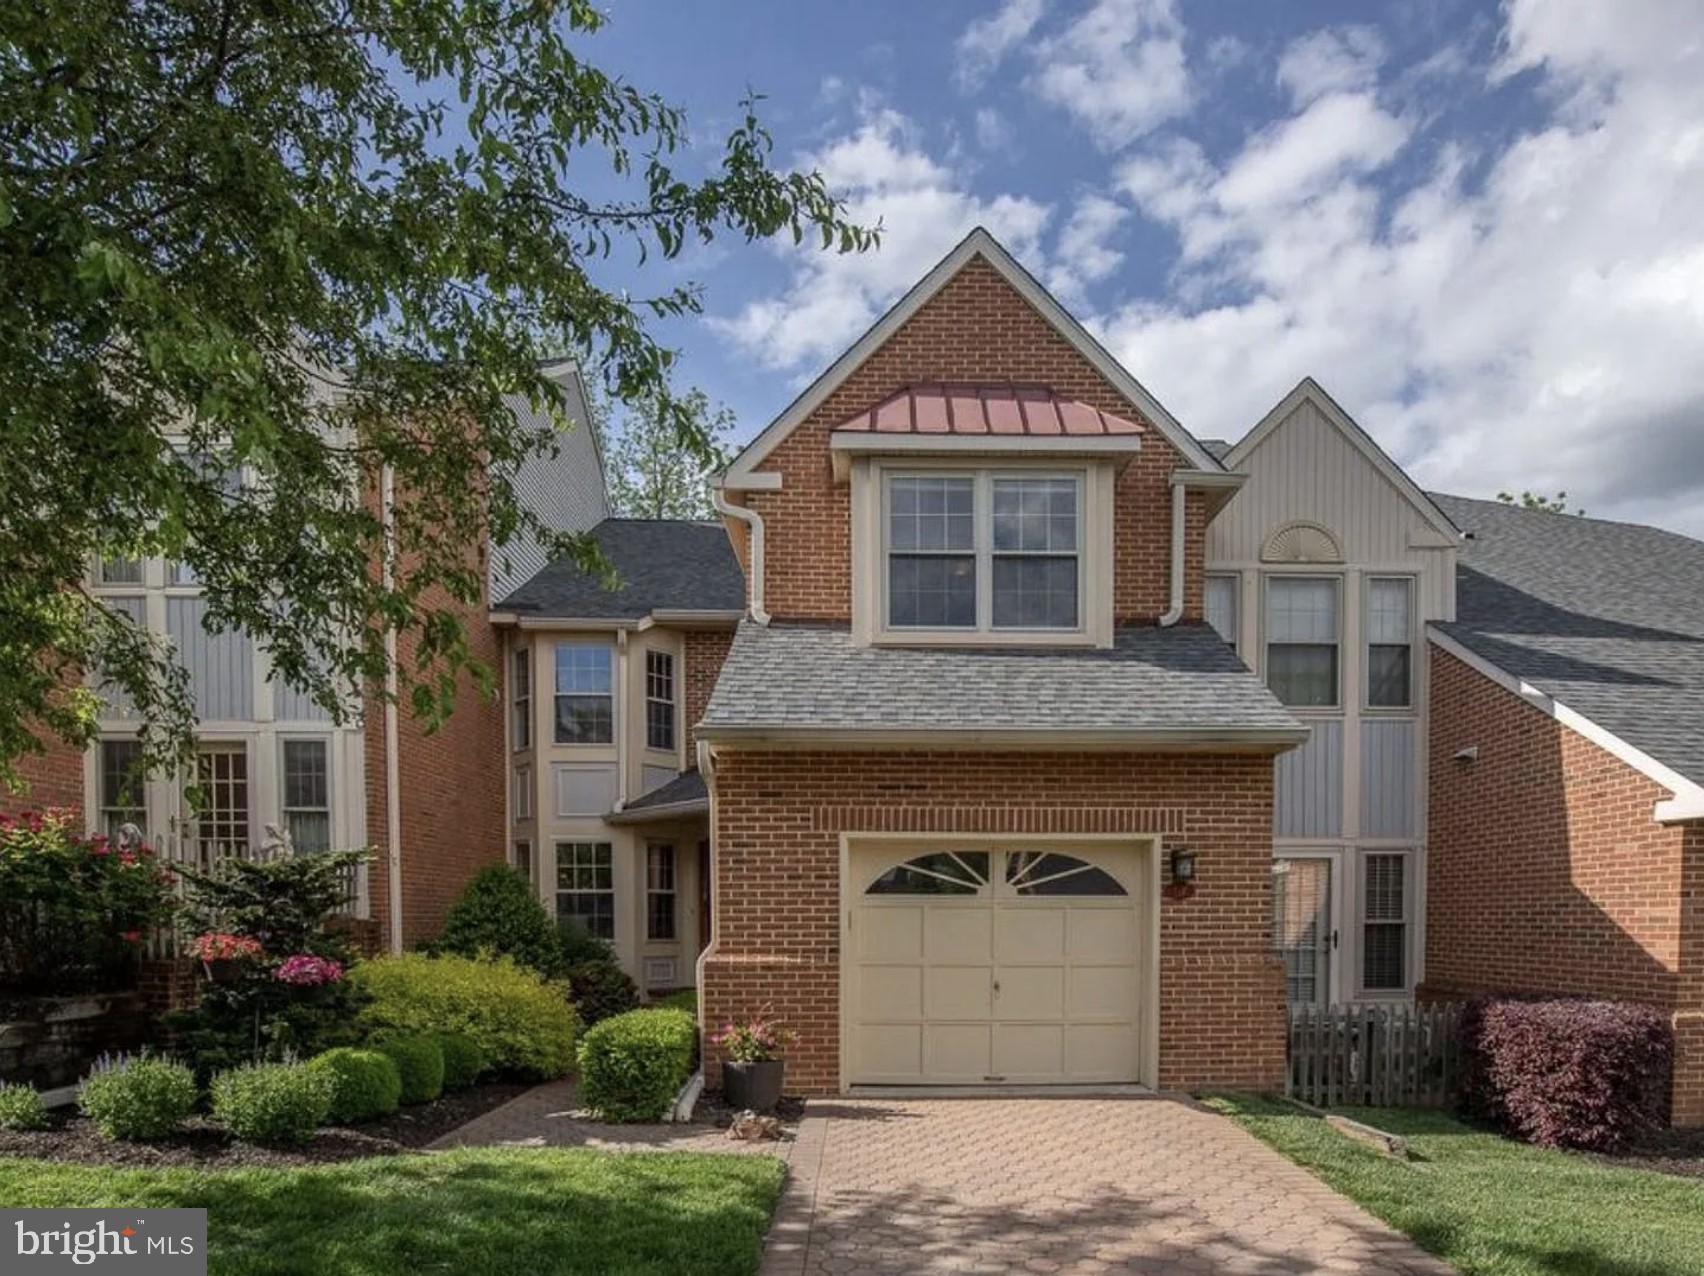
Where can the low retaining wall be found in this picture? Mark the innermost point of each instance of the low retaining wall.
(51, 1041)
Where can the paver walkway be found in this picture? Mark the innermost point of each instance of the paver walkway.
(1060, 1185)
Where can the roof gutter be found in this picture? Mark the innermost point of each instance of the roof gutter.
(659, 812)
(1060, 739)
(752, 519)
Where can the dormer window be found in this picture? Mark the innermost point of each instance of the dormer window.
(984, 551)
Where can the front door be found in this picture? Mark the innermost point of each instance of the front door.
(1305, 925)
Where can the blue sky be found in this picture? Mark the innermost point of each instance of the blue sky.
(1475, 223)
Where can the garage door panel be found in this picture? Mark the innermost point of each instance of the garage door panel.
(959, 935)
(958, 992)
(888, 1051)
(1101, 1052)
(1100, 992)
(890, 933)
(890, 992)
(1104, 934)
(1031, 992)
(1029, 934)
(956, 1052)
(1029, 1051)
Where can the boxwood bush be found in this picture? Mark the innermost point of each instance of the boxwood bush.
(600, 988)
(419, 1061)
(277, 1103)
(463, 1060)
(499, 915)
(138, 1098)
(632, 1065)
(1567, 1073)
(365, 1083)
(21, 1108)
(521, 1021)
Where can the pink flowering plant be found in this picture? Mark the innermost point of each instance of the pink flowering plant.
(307, 971)
(218, 945)
(757, 1040)
(74, 907)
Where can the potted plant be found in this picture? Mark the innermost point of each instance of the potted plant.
(222, 954)
(751, 1075)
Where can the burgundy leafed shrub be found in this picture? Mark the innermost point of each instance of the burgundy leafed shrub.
(1567, 1073)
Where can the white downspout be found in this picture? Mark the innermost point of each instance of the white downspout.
(393, 773)
(1174, 613)
(707, 768)
(752, 519)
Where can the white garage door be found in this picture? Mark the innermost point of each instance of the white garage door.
(987, 965)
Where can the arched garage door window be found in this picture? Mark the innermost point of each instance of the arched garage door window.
(1049, 873)
(967, 873)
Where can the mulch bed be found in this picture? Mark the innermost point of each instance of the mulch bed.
(1678, 1152)
(713, 1110)
(204, 1145)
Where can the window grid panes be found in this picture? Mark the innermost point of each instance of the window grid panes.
(121, 792)
(1384, 943)
(307, 794)
(932, 553)
(585, 707)
(1301, 640)
(521, 684)
(659, 891)
(1222, 607)
(1390, 661)
(221, 824)
(659, 700)
(585, 887)
(1035, 553)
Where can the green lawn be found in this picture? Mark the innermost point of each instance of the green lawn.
(1489, 1205)
(504, 1212)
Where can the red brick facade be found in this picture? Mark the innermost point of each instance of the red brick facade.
(1547, 874)
(704, 651)
(779, 817)
(976, 328)
(54, 778)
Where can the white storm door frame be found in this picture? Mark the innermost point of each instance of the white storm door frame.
(1343, 947)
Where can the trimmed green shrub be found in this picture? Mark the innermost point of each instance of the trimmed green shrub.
(419, 1062)
(523, 1023)
(21, 1108)
(632, 1065)
(138, 1098)
(366, 1084)
(680, 999)
(499, 915)
(600, 988)
(463, 1060)
(579, 944)
(280, 1103)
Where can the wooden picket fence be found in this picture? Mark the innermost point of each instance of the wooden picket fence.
(1368, 1055)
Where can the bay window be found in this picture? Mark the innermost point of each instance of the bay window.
(585, 703)
(585, 887)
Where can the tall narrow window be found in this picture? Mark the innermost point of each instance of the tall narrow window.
(307, 794)
(120, 571)
(523, 793)
(1301, 640)
(523, 859)
(659, 700)
(121, 780)
(1222, 607)
(221, 824)
(932, 553)
(1384, 930)
(1035, 553)
(585, 887)
(659, 891)
(520, 686)
(1390, 642)
(585, 707)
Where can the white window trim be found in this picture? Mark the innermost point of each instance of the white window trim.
(870, 479)
(523, 794)
(330, 808)
(1335, 708)
(1367, 644)
(558, 890)
(673, 892)
(556, 694)
(1234, 642)
(673, 702)
(1409, 923)
(520, 705)
(516, 846)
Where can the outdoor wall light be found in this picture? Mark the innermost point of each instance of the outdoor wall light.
(1182, 866)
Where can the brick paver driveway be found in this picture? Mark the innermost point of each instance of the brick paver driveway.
(1060, 1185)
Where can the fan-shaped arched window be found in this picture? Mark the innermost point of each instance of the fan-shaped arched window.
(938, 873)
(1049, 873)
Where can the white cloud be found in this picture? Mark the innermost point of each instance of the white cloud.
(992, 131)
(985, 43)
(1083, 253)
(1119, 69)
(1332, 60)
(1529, 320)
(925, 207)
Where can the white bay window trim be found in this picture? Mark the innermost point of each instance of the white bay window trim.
(871, 486)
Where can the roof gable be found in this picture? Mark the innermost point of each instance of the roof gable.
(742, 473)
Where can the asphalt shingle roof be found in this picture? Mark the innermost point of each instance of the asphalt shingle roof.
(1173, 681)
(671, 564)
(686, 788)
(1607, 618)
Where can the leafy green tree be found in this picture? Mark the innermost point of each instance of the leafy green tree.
(653, 470)
(1557, 504)
(256, 255)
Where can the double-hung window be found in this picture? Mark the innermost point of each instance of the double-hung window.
(585, 887)
(1390, 642)
(1302, 640)
(307, 794)
(520, 688)
(659, 891)
(121, 791)
(989, 551)
(585, 705)
(659, 700)
(1222, 610)
(1384, 921)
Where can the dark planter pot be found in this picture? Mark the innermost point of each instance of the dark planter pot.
(753, 1085)
(223, 970)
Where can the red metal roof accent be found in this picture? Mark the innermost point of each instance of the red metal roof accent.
(953, 408)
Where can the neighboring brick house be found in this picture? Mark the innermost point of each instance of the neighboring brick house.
(1567, 770)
